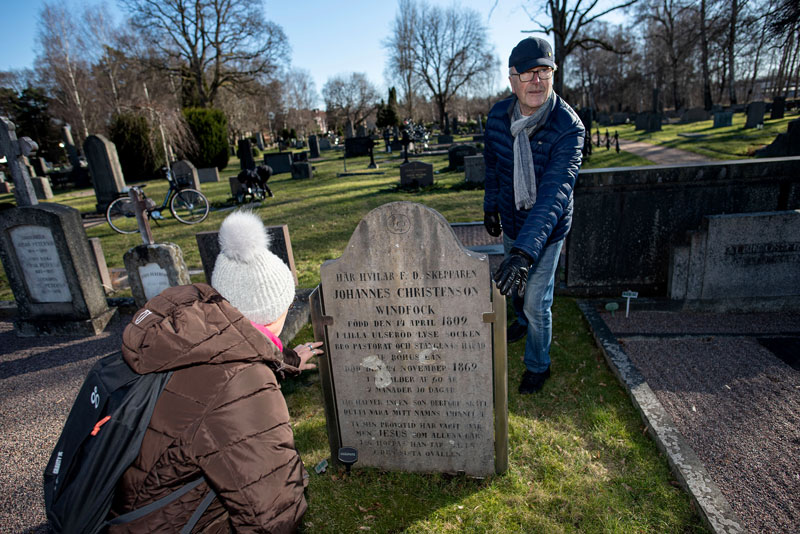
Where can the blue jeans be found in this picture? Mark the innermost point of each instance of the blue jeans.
(533, 310)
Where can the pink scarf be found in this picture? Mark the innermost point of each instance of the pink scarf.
(272, 337)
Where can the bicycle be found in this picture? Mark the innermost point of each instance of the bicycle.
(187, 205)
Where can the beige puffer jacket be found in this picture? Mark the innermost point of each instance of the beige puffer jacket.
(221, 415)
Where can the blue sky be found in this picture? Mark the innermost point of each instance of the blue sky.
(327, 37)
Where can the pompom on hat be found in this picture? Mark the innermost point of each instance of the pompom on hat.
(247, 274)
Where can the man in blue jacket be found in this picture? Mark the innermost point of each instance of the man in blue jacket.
(532, 150)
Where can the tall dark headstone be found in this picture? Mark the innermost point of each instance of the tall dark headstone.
(778, 107)
(245, 154)
(755, 114)
(107, 177)
(313, 146)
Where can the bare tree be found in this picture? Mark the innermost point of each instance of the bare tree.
(300, 97)
(60, 48)
(449, 50)
(211, 43)
(350, 97)
(401, 59)
(568, 24)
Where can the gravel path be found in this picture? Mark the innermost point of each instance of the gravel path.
(661, 155)
(736, 404)
(39, 378)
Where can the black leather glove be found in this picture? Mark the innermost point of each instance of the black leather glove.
(492, 223)
(513, 273)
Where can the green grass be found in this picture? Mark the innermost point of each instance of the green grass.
(579, 459)
(730, 142)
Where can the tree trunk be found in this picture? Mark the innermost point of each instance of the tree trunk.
(708, 103)
(731, 47)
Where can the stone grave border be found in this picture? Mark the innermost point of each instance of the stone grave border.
(692, 475)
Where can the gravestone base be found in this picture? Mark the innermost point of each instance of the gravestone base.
(60, 327)
(153, 268)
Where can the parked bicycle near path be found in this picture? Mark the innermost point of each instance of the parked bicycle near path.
(187, 205)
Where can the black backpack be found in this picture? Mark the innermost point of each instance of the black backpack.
(100, 440)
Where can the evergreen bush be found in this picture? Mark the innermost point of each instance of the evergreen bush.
(210, 130)
(131, 134)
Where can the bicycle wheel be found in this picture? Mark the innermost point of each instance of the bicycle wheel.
(121, 216)
(189, 206)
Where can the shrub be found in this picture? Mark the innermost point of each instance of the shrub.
(210, 130)
(137, 156)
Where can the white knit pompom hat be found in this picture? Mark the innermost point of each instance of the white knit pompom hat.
(247, 274)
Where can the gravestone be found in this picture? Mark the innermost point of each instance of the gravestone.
(416, 174)
(302, 169)
(260, 140)
(778, 107)
(723, 119)
(185, 174)
(357, 146)
(47, 259)
(300, 156)
(473, 235)
(444, 139)
(785, 144)
(40, 167)
(41, 185)
(279, 244)
(456, 155)
(153, 268)
(694, 115)
(755, 114)
(107, 177)
(313, 146)
(361, 131)
(407, 324)
(749, 258)
(280, 162)
(100, 260)
(348, 129)
(245, 154)
(69, 146)
(474, 169)
(324, 143)
(619, 118)
(207, 175)
(480, 124)
(14, 150)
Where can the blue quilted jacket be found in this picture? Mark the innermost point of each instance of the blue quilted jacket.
(556, 148)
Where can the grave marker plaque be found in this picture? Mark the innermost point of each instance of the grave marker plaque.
(408, 314)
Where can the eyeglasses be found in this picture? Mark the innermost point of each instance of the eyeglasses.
(543, 74)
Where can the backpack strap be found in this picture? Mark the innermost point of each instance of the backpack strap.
(133, 515)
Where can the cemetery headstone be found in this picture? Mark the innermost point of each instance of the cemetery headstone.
(747, 257)
(245, 154)
(444, 139)
(302, 169)
(361, 131)
(185, 174)
(39, 166)
(324, 143)
(207, 175)
(755, 114)
(694, 115)
(457, 153)
(107, 177)
(41, 184)
(407, 321)
(785, 144)
(474, 169)
(280, 162)
(778, 107)
(358, 146)
(14, 150)
(723, 119)
(100, 260)
(153, 268)
(279, 244)
(313, 146)
(416, 174)
(300, 156)
(480, 124)
(46, 257)
(260, 140)
(69, 146)
(348, 129)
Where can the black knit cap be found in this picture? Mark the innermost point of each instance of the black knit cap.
(531, 52)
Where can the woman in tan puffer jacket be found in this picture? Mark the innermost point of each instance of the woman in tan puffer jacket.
(221, 416)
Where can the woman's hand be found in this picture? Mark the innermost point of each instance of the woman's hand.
(306, 352)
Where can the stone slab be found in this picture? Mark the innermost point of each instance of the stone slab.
(208, 175)
(474, 169)
(755, 114)
(416, 174)
(409, 351)
(280, 162)
(153, 268)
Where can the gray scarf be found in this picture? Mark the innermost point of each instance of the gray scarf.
(524, 175)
